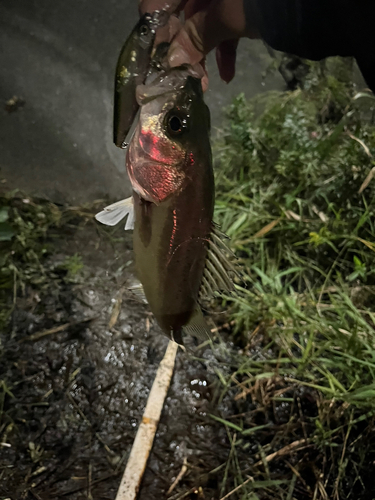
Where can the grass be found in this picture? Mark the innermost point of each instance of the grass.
(29, 228)
(24, 225)
(290, 170)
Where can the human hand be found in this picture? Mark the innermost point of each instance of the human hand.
(209, 24)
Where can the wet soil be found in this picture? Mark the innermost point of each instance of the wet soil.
(76, 396)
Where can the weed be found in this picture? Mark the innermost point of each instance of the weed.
(28, 228)
(73, 265)
(290, 171)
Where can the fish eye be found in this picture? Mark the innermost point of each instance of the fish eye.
(176, 124)
(144, 30)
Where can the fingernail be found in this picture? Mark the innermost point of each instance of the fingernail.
(177, 56)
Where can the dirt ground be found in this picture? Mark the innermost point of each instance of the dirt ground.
(76, 396)
(77, 362)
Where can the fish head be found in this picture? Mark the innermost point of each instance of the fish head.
(145, 29)
(173, 130)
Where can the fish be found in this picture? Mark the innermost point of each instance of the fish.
(181, 256)
(132, 68)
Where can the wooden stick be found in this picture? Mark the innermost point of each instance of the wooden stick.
(180, 475)
(302, 443)
(237, 488)
(55, 329)
(115, 311)
(144, 438)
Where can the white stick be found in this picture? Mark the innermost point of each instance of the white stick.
(142, 445)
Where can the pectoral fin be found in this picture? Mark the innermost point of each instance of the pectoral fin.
(114, 213)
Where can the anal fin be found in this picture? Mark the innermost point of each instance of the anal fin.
(197, 326)
(114, 213)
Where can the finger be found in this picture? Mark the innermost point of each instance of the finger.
(226, 59)
(183, 50)
(204, 82)
(200, 70)
(194, 6)
(205, 76)
(171, 6)
(168, 32)
(222, 20)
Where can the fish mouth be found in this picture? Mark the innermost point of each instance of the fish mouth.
(162, 83)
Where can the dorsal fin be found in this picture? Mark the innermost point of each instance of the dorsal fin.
(114, 213)
(219, 270)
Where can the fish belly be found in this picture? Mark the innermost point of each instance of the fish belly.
(170, 247)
